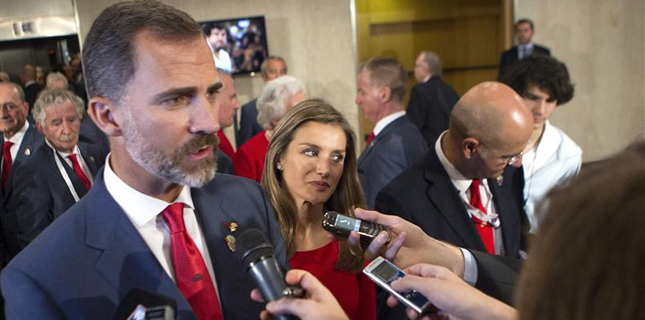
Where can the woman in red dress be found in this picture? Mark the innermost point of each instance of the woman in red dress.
(276, 99)
(310, 169)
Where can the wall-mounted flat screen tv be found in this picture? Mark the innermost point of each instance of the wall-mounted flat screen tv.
(238, 45)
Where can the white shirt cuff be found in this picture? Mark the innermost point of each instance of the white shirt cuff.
(470, 267)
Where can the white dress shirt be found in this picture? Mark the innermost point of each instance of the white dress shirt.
(552, 163)
(17, 140)
(79, 158)
(145, 214)
(381, 124)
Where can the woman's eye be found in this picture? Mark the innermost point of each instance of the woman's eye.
(310, 153)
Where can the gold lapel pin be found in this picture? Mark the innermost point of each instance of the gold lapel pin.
(231, 243)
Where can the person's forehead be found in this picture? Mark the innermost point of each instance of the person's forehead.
(9, 93)
(275, 64)
(523, 25)
(174, 63)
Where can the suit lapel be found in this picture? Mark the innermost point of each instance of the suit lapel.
(126, 262)
(508, 215)
(26, 146)
(382, 135)
(445, 198)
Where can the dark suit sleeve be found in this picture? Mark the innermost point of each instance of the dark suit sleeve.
(249, 126)
(416, 110)
(386, 162)
(25, 299)
(34, 204)
(497, 275)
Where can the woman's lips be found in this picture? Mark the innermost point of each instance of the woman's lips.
(320, 185)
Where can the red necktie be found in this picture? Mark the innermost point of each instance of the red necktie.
(6, 164)
(370, 138)
(225, 145)
(485, 229)
(79, 171)
(191, 274)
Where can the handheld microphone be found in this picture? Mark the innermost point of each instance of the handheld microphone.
(140, 304)
(258, 257)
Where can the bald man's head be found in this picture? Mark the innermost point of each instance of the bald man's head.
(489, 126)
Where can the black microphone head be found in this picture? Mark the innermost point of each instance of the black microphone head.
(252, 245)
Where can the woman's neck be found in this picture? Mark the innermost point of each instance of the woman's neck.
(309, 231)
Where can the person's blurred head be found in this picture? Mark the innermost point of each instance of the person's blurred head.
(58, 114)
(4, 77)
(68, 70)
(380, 88)
(587, 259)
(312, 158)
(28, 73)
(489, 129)
(524, 31)
(217, 36)
(56, 80)
(13, 108)
(428, 64)
(277, 97)
(272, 68)
(227, 99)
(543, 83)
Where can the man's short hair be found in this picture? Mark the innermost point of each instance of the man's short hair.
(209, 26)
(529, 21)
(58, 97)
(109, 52)
(55, 76)
(432, 60)
(21, 93)
(263, 66)
(542, 71)
(386, 72)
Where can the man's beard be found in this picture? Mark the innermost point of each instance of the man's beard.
(171, 168)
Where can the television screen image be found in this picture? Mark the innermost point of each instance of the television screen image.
(238, 45)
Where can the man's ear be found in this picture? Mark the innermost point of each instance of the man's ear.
(469, 147)
(101, 110)
(39, 127)
(385, 94)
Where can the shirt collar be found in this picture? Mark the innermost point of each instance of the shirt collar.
(17, 138)
(140, 208)
(76, 151)
(381, 124)
(527, 46)
(427, 78)
(461, 183)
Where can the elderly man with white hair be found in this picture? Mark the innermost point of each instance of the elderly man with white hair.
(56, 80)
(61, 171)
(276, 99)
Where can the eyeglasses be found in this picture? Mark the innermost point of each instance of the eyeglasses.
(514, 158)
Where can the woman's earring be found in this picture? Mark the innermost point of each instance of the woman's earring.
(279, 167)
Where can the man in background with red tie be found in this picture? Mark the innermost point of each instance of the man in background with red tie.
(61, 171)
(468, 188)
(20, 140)
(395, 143)
(157, 217)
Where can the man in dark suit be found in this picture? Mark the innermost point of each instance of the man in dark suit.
(31, 87)
(464, 192)
(20, 140)
(432, 99)
(524, 30)
(61, 171)
(395, 142)
(157, 217)
(272, 68)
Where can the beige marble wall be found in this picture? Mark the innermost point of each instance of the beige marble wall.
(315, 38)
(603, 45)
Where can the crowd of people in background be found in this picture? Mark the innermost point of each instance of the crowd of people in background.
(469, 186)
